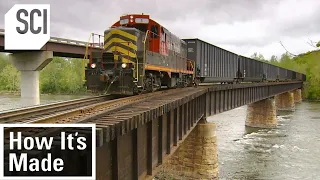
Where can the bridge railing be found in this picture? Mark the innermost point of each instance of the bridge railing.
(66, 41)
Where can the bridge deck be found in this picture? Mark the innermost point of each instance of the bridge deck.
(60, 46)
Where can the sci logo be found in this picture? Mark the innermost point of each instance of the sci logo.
(27, 27)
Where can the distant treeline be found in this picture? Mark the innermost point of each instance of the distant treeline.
(61, 76)
(307, 63)
(65, 76)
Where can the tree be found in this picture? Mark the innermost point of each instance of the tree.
(10, 78)
(274, 60)
(258, 57)
(63, 76)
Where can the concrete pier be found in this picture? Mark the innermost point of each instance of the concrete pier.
(285, 101)
(297, 95)
(30, 63)
(262, 114)
(197, 156)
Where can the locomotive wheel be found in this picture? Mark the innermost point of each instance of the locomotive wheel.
(136, 90)
(152, 84)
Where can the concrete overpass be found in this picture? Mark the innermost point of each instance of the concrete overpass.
(59, 47)
(29, 63)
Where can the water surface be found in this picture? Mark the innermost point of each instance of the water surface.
(8, 102)
(290, 151)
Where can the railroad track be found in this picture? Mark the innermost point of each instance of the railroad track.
(80, 114)
(106, 114)
(29, 113)
(86, 113)
(75, 114)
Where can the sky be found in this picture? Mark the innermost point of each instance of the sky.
(240, 26)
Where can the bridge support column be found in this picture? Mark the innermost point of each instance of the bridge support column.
(285, 101)
(30, 63)
(297, 95)
(262, 114)
(197, 156)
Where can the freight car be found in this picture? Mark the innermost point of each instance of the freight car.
(270, 72)
(140, 55)
(251, 70)
(213, 64)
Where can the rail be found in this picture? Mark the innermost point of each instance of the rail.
(52, 108)
(78, 114)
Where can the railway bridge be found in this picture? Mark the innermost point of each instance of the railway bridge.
(140, 135)
(150, 132)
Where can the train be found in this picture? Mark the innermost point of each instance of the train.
(140, 55)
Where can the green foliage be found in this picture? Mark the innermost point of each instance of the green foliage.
(59, 76)
(307, 63)
(258, 57)
(9, 78)
(62, 76)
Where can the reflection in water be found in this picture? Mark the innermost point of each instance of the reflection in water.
(290, 151)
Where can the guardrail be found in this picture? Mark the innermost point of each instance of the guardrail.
(66, 41)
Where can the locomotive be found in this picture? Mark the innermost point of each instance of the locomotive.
(139, 55)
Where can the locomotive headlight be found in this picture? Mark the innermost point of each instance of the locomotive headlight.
(93, 65)
(123, 65)
(131, 17)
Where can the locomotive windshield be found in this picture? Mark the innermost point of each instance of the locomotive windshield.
(140, 22)
(141, 27)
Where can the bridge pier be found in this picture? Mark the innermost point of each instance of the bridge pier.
(197, 156)
(262, 114)
(285, 101)
(297, 95)
(30, 63)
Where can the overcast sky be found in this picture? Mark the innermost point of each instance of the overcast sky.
(241, 26)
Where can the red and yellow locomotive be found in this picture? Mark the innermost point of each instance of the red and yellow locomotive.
(139, 55)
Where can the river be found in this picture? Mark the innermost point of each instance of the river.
(9, 102)
(290, 151)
